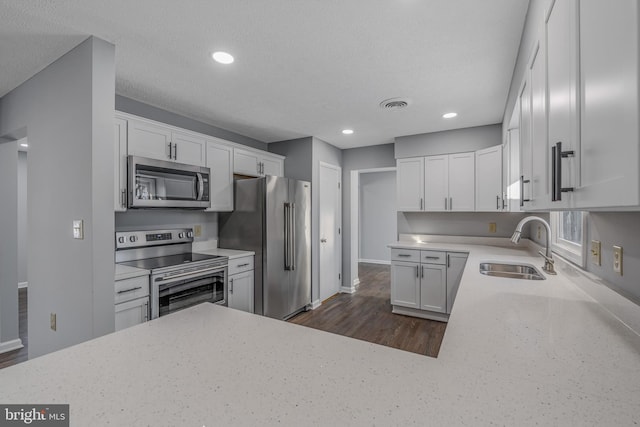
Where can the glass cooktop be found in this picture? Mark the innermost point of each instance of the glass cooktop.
(169, 260)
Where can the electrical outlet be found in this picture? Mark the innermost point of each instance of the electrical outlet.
(492, 227)
(539, 233)
(617, 259)
(595, 252)
(53, 322)
(78, 229)
(197, 230)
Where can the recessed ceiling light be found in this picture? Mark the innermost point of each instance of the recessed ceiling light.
(222, 57)
(347, 131)
(449, 115)
(24, 145)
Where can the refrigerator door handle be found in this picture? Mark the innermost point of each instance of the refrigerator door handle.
(292, 236)
(287, 236)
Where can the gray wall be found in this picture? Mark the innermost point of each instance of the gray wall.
(450, 141)
(322, 152)
(378, 217)
(459, 223)
(66, 111)
(299, 153)
(23, 234)
(375, 156)
(161, 219)
(8, 242)
(138, 108)
(620, 229)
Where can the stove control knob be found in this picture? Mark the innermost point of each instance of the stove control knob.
(120, 239)
(132, 239)
(190, 234)
(181, 235)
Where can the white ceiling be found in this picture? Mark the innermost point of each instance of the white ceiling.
(303, 67)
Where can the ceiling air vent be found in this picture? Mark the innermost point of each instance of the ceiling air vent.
(395, 103)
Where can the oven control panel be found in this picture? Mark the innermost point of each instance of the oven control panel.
(140, 239)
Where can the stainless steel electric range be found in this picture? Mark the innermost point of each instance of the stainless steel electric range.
(180, 278)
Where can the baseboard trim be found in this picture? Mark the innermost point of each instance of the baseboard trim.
(431, 315)
(375, 261)
(347, 290)
(315, 304)
(23, 285)
(11, 345)
(355, 283)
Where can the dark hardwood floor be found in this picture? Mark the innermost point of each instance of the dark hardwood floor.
(20, 355)
(366, 315)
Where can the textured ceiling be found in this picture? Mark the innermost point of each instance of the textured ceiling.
(303, 67)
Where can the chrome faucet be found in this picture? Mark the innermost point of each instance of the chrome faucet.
(548, 259)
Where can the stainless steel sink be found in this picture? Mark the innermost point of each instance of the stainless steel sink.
(511, 271)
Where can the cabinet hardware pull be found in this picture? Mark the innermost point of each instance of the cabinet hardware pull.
(522, 183)
(556, 171)
(129, 290)
(243, 265)
(432, 257)
(123, 198)
(258, 167)
(170, 151)
(448, 261)
(450, 203)
(231, 286)
(445, 203)
(175, 151)
(417, 271)
(404, 255)
(146, 311)
(423, 271)
(497, 203)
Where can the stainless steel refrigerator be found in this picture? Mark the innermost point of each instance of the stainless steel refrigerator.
(272, 217)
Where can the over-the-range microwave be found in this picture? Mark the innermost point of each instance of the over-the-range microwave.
(160, 184)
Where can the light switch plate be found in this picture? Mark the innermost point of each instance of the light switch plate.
(78, 229)
(53, 320)
(197, 230)
(595, 252)
(617, 259)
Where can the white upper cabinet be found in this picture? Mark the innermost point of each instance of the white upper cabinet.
(410, 184)
(436, 183)
(540, 187)
(525, 143)
(220, 161)
(257, 163)
(462, 182)
(609, 134)
(157, 141)
(120, 164)
(561, 34)
(489, 179)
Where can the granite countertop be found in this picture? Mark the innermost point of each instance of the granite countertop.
(514, 353)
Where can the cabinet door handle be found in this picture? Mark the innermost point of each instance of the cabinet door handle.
(423, 271)
(129, 290)
(123, 198)
(445, 203)
(448, 261)
(242, 265)
(522, 183)
(145, 312)
(230, 286)
(170, 150)
(404, 255)
(417, 271)
(556, 172)
(432, 257)
(450, 203)
(175, 151)
(497, 203)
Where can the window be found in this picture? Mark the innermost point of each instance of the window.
(568, 234)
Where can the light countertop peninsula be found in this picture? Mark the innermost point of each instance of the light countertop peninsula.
(515, 353)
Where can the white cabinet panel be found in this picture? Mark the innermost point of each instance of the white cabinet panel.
(131, 313)
(220, 161)
(525, 143)
(410, 184)
(188, 149)
(540, 181)
(149, 140)
(455, 267)
(433, 287)
(462, 182)
(489, 179)
(436, 183)
(241, 291)
(245, 162)
(272, 166)
(609, 134)
(120, 164)
(240, 265)
(405, 289)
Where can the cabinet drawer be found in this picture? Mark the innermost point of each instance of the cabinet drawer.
(433, 257)
(240, 265)
(411, 255)
(128, 289)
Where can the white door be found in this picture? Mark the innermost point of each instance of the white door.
(462, 178)
(329, 231)
(489, 179)
(149, 140)
(188, 149)
(436, 183)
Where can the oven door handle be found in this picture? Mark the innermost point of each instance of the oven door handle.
(191, 273)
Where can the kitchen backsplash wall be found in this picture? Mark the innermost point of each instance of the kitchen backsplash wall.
(459, 223)
(159, 219)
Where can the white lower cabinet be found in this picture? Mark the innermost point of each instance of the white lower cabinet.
(131, 302)
(240, 295)
(424, 283)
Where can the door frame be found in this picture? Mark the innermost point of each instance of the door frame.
(354, 237)
(338, 236)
